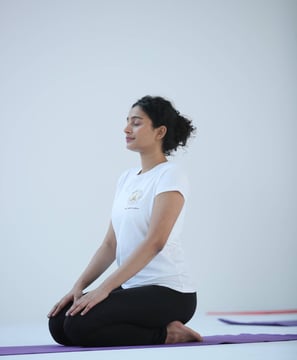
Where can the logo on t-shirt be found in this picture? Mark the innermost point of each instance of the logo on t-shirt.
(135, 196)
(133, 200)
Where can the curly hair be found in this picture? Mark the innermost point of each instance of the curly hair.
(161, 112)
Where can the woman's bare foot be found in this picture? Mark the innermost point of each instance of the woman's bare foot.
(179, 333)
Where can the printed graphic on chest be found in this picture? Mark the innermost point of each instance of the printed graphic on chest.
(135, 196)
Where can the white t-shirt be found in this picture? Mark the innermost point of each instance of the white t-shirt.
(131, 213)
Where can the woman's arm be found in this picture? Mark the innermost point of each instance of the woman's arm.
(166, 209)
(102, 259)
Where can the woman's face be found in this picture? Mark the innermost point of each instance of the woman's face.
(140, 134)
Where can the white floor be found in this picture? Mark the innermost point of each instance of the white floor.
(207, 325)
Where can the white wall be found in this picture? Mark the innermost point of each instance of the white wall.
(69, 72)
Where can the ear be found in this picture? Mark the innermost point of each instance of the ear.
(161, 131)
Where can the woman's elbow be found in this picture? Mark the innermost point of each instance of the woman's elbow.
(158, 246)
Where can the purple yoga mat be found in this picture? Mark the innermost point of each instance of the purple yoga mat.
(208, 340)
(261, 323)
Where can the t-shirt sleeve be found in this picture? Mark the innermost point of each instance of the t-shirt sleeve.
(173, 179)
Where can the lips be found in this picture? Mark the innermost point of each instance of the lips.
(129, 139)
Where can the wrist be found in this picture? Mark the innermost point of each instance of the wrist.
(78, 286)
(106, 286)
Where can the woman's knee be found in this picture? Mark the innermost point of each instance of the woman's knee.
(56, 328)
(79, 330)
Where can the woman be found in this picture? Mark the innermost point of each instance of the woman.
(149, 298)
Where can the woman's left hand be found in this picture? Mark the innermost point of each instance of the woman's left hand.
(87, 302)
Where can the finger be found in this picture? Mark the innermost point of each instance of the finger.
(91, 303)
(55, 310)
(75, 311)
(83, 307)
(58, 307)
(87, 308)
(52, 311)
(70, 311)
(76, 308)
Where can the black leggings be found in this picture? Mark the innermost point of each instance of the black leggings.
(136, 316)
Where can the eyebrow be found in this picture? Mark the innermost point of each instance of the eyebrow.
(135, 117)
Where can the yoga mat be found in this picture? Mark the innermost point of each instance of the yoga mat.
(261, 323)
(260, 312)
(207, 340)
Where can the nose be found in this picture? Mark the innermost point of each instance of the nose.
(128, 129)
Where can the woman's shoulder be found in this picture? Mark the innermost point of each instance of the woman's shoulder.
(172, 167)
(173, 177)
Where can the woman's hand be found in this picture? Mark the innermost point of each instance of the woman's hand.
(87, 301)
(73, 296)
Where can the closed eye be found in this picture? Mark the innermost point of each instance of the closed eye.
(135, 120)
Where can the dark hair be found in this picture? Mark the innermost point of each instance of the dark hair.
(162, 112)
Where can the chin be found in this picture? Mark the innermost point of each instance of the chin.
(130, 147)
(134, 150)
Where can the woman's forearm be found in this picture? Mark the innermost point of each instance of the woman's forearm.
(137, 261)
(102, 259)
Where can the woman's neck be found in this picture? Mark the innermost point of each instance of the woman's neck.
(148, 161)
